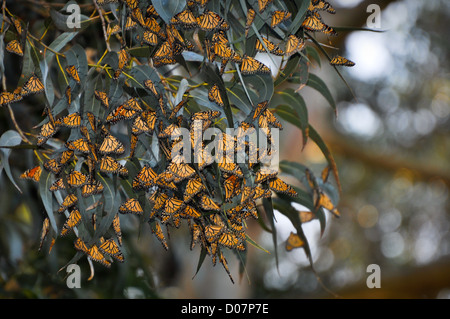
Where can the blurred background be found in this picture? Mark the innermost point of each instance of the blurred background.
(391, 141)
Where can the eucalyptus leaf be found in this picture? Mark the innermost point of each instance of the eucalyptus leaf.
(8, 139)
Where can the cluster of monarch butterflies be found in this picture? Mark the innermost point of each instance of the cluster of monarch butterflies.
(214, 198)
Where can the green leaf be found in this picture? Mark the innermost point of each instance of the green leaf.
(288, 70)
(315, 82)
(326, 152)
(9, 138)
(291, 213)
(299, 17)
(298, 106)
(168, 8)
(268, 208)
(47, 196)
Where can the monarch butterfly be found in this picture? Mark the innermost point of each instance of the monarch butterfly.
(164, 55)
(116, 228)
(271, 47)
(247, 194)
(44, 231)
(132, 104)
(139, 126)
(56, 185)
(279, 16)
(251, 66)
(277, 185)
(72, 71)
(190, 212)
(151, 11)
(71, 121)
(32, 85)
(14, 47)
(47, 131)
(110, 247)
(181, 170)
(329, 30)
(293, 241)
(306, 216)
(95, 254)
(263, 4)
(79, 145)
(151, 86)
(251, 14)
(120, 113)
(131, 206)
(153, 26)
(136, 15)
(111, 30)
(173, 205)
(150, 38)
(230, 168)
(32, 173)
(69, 201)
(164, 180)
(205, 115)
(102, 97)
(111, 145)
(260, 107)
(145, 178)
(8, 97)
(242, 129)
(339, 60)
(313, 23)
(68, 95)
(228, 239)
(124, 57)
(132, 4)
(53, 166)
(210, 21)
(294, 45)
(212, 232)
(177, 108)
(227, 147)
(214, 95)
(17, 24)
(110, 165)
(76, 179)
(207, 203)
(72, 221)
(171, 130)
(157, 231)
(159, 200)
(321, 5)
(223, 51)
(80, 245)
(93, 121)
(264, 174)
(92, 187)
(232, 187)
(185, 18)
(261, 192)
(266, 118)
(193, 187)
(325, 202)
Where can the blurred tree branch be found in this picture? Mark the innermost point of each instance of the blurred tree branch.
(385, 161)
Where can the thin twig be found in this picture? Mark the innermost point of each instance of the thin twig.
(19, 130)
(100, 13)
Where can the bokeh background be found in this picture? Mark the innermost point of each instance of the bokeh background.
(391, 141)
